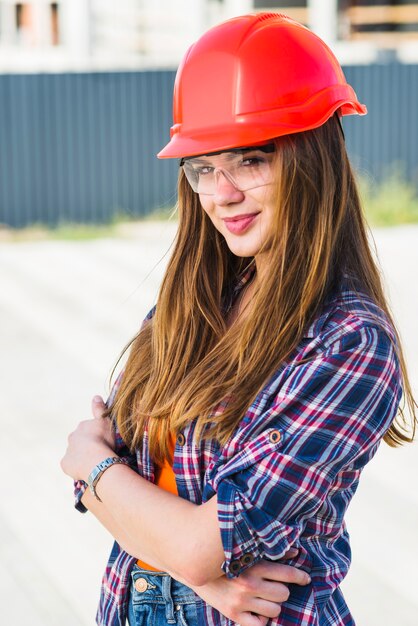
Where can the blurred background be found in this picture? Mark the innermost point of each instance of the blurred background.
(85, 104)
(86, 100)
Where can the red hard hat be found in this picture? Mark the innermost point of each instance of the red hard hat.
(253, 78)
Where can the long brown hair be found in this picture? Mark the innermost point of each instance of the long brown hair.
(186, 360)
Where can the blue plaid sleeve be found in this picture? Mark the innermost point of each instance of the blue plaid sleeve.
(293, 481)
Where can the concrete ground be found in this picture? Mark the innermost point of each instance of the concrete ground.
(66, 310)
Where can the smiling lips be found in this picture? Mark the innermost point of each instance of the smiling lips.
(239, 223)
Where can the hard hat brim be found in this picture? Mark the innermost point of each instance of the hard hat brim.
(249, 132)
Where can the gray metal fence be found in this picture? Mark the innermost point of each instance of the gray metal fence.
(80, 147)
(388, 135)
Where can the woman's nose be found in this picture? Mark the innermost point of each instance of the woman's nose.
(226, 191)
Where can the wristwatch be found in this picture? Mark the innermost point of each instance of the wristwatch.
(98, 471)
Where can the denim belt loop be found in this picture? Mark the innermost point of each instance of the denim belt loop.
(169, 606)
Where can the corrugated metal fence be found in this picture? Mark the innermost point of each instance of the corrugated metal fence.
(81, 147)
(389, 133)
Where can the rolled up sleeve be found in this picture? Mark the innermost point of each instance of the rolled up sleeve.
(324, 425)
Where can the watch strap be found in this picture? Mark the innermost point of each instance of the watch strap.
(98, 471)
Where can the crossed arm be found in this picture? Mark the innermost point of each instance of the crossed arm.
(171, 533)
(160, 528)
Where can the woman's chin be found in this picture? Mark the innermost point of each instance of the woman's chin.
(240, 247)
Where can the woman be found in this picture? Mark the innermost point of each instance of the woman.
(270, 370)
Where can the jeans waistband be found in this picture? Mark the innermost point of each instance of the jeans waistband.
(149, 587)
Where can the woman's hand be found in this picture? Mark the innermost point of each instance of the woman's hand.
(92, 441)
(256, 595)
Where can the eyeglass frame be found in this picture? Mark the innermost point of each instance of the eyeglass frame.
(268, 148)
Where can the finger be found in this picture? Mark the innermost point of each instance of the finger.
(282, 573)
(97, 406)
(264, 608)
(292, 553)
(273, 591)
(250, 619)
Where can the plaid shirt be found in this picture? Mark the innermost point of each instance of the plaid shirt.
(287, 475)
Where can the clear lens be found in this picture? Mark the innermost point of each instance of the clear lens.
(245, 169)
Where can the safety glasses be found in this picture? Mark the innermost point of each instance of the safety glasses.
(244, 168)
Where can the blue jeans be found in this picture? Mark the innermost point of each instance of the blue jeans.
(156, 599)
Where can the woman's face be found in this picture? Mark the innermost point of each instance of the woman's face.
(244, 218)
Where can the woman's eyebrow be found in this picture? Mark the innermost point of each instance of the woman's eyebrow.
(198, 160)
(206, 159)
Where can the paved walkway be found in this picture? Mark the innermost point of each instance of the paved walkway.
(66, 310)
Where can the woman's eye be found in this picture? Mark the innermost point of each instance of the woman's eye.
(203, 170)
(252, 161)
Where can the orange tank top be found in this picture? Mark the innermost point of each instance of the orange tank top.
(166, 479)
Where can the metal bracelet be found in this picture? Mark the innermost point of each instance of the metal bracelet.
(98, 471)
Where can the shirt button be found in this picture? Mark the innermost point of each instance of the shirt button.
(246, 559)
(235, 567)
(275, 436)
(181, 439)
(141, 585)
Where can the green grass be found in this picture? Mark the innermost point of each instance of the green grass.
(65, 232)
(392, 202)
